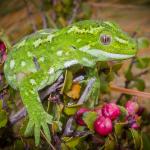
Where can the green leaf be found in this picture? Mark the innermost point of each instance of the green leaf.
(89, 118)
(146, 141)
(71, 109)
(71, 142)
(143, 62)
(116, 67)
(136, 138)
(1, 104)
(3, 118)
(142, 42)
(139, 84)
(119, 128)
(67, 82)
(124, 113)
(110, 144)
(129, 75)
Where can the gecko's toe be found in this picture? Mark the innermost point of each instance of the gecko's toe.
(37, 134)
(49, 119)
(46, 131)
(29, 129)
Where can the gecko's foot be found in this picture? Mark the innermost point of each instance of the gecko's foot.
(37, 121)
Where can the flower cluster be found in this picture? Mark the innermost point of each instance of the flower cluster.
(107, 115)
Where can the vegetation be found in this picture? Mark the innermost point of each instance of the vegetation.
(126, 121)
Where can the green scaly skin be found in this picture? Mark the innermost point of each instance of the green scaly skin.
(39, 59)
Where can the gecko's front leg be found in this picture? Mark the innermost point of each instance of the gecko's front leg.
(38, 117)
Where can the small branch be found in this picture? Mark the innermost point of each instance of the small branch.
(29, 11)
(84, 96)
(142, 73)
(75, 10)
(68, 130)
(130, 91)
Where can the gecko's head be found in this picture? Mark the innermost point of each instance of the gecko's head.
(105, 40)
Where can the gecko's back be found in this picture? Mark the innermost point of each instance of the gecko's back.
(28, 55)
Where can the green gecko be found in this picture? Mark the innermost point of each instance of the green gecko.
(39, 59)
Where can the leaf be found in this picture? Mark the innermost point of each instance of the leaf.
(3, 118)
(75, 91)
(71, 142)
(142, 42)
(110, 144)
(89, 118)
(119, 128)
(146, 141)
(129, 75)
(136, 138)
(124, 113)
(67, 82)
(71, 109)
(139, 84)
(116, 67)
(143, 62)
(1, 104)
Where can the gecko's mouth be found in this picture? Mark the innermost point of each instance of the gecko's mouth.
(102, 55)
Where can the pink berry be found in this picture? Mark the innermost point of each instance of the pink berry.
(111, 111)
(2, 51)
(132, 107)
(135, 126)
(79, 115)
(2, 46)
(103, 126)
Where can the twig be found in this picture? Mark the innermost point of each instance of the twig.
(68, 130)
(29, 11)
(142, 73)
(104, 5)
(127, 82)
(75, 10)
(84, 96)
(130, 91)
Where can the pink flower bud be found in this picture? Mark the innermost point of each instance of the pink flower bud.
(103, 126)
(132, 107)
(135, 126)
(79, 115)
(111, 111)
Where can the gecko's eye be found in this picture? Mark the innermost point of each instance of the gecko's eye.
(105, 39)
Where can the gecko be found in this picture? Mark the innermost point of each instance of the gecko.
(39, 59)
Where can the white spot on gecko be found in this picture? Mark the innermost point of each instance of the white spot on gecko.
(78, 40)
(29, 54)
(70, 63)
(122, 41)
(50, 37)
(87, 61)
(32, 81)
(37, 42)
(59, 53)
(12, 64)
(84, 48)
(23, 63)
(51, 71)
(41, 59)
(22, 43)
